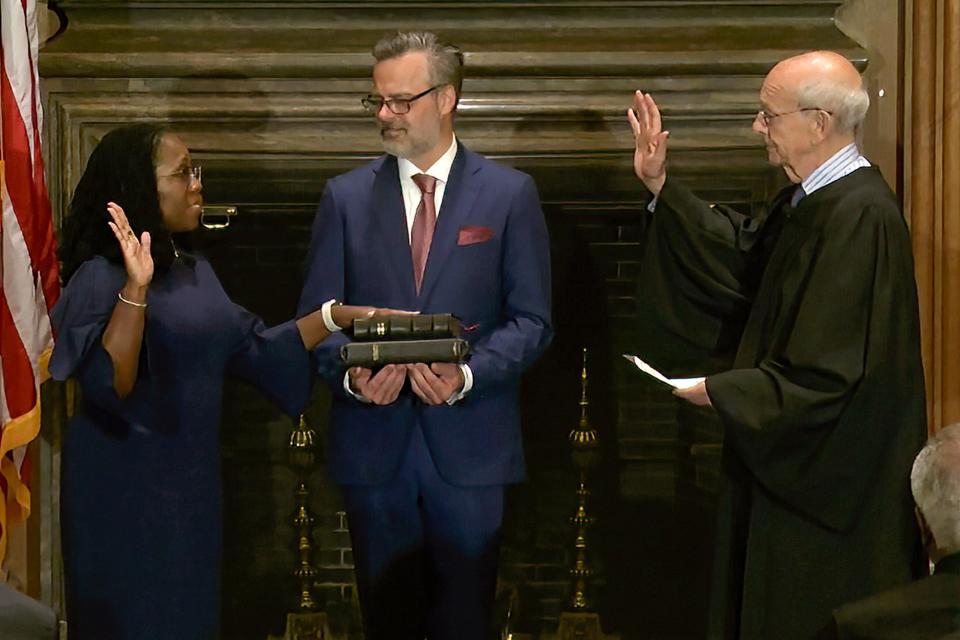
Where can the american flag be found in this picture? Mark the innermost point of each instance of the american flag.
(28, 264)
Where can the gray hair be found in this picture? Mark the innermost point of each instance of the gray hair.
(935, 482)
(847, 104)
(445, 60)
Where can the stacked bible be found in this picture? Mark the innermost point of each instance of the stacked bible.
(398, 339)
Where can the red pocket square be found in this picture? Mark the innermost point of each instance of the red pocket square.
(473, 235)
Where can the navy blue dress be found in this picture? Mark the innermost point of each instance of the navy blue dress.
(141, 494)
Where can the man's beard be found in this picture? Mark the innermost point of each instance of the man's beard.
(407, 146)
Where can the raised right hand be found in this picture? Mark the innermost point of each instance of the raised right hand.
(382, 388)
(650, 142)
(137, 258)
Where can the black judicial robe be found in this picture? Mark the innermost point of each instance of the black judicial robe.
(823, 405)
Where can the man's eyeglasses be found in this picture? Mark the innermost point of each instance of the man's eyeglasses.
(399, 106)
(766, 117)
(187, 173)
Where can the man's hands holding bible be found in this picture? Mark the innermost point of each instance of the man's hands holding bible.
(434, 384)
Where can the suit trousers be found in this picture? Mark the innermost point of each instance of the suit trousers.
(425, 552)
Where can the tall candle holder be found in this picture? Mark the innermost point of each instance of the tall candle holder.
(580, 621)
(584, 442)
(302, 457)
(305, 622)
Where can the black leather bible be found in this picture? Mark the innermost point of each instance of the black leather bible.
(375, 354)
(406, 327)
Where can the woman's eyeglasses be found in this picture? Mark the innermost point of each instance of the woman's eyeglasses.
(187, 173)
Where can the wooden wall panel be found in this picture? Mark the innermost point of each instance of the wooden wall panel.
(933, 197)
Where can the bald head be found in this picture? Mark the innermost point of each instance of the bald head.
(821, 65)
(824, 80)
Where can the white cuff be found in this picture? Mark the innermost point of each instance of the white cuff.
(456, 396)
(328, 316)
(346, 387)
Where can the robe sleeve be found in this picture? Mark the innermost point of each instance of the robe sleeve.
(79, 320)
(694, 288)
(272, 359)
(812, 419)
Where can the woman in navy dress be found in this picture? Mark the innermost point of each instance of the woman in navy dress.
(149, 333)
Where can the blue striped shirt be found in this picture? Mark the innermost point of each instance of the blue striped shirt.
(840, 164)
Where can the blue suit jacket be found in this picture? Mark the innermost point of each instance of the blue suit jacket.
(360, 254)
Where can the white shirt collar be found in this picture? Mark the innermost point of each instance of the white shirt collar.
(439, 170)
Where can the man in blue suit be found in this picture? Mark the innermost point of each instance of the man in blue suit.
(423, 451)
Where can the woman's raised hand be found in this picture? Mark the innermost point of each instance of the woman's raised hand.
(136, 253)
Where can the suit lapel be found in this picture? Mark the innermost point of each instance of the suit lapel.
(389, 214)
(461, 192)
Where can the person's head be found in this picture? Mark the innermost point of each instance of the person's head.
(810, 107)
(147, 171)
(935, 482)
(420, 77)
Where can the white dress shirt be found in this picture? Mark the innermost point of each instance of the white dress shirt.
(411, 192)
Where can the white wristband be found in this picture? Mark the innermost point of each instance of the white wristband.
(328, 316)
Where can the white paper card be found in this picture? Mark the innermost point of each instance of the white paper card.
(676, 383)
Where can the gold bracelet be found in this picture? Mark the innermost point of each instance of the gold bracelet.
(139, 305)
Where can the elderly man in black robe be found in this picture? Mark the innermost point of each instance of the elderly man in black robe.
(823, 405)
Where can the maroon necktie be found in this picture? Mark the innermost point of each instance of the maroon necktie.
(423, 223)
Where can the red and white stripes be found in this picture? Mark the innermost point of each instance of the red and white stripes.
(28, 264)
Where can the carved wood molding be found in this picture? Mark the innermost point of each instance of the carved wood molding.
(275, 86)
(325, 39)
(282, 144)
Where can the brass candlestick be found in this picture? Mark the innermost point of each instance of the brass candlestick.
(301, 459)
(579, 621)
(305, 623)
(584, 441)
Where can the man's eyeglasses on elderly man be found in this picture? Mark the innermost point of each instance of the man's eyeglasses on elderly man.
(767, 117)
(373, 103)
